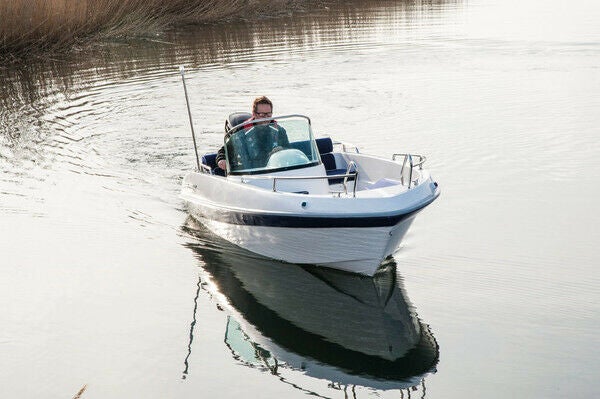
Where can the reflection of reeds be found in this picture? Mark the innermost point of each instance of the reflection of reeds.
(31, 26)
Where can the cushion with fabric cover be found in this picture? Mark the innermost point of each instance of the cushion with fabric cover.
(235, 119)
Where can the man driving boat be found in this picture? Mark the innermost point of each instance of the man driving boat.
(261, 139)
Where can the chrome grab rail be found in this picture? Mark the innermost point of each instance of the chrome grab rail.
(351, 165)
(275, 178)
(346, 146)
(422, 159)
(345, 176)
(409, 158)
(205, 169)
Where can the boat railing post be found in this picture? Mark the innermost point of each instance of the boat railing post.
(410, 161)
(187, 101)
(402, 169)
(351, 165)
(346, 146)
(408, 158)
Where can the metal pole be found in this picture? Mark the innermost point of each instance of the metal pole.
(411, 168)
(187, 101)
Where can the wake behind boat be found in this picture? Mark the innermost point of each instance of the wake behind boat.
(305, 200)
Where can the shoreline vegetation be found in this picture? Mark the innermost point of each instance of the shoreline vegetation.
(33, 28)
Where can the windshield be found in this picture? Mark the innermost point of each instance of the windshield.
(267, 145)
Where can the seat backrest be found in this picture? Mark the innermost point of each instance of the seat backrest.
(328, 161)
(324, 144)
(235, 119)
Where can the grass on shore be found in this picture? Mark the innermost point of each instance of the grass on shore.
(34, 27)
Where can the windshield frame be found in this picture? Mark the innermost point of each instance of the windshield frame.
(255, 171)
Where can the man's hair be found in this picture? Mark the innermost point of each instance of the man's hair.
(261, 100)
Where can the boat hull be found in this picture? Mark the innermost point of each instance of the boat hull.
(354, 233)
(353, 249)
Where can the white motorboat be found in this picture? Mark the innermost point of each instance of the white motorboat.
(290, 196)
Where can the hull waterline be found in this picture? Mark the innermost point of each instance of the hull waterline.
(354, 249)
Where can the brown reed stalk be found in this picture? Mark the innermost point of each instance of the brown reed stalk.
(80, 392)
(33, 27)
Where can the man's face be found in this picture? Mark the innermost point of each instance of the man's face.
(262, 111)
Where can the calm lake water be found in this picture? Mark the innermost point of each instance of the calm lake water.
(495, 292)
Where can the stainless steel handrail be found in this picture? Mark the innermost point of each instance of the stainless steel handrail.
(422, 158)
(409, 158)
(345, 176)
(410, 162)
(351, 165)
(206, 169)
(345, 148)
(275, 178)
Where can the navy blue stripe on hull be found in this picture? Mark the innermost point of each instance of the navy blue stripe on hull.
(255, 219)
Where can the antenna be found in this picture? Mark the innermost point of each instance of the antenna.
(187, 101)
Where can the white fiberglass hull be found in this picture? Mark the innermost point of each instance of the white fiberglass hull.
(347, 232)
(356, 250)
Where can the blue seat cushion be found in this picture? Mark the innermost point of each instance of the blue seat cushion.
(235, 119)
(328, 161)
(334, 172)
(210, 160)
(324, 144)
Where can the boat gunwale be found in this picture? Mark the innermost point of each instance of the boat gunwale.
(238, 216)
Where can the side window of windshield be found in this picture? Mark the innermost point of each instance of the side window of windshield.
(236, 153)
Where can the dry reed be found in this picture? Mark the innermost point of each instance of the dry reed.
(81, 391)
(42, 26)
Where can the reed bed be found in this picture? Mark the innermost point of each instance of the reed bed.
(33, 27)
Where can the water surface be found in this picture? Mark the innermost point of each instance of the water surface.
(105, 283)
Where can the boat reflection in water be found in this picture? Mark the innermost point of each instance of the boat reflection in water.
(349, 329)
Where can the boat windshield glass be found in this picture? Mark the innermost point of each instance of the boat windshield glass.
(268, 145)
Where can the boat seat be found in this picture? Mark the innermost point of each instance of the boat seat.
(325, 146)
(235, 119)
(210, 160)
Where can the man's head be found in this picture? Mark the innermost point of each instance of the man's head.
(262, 107)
